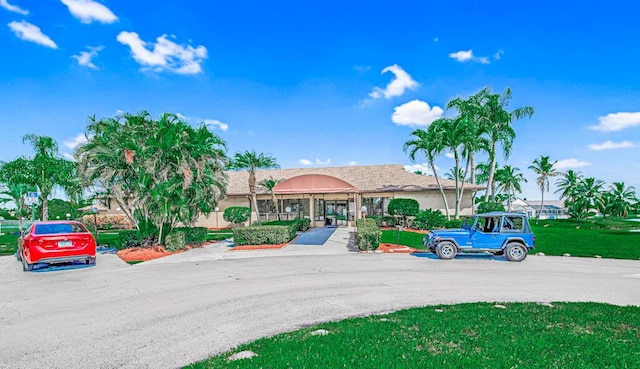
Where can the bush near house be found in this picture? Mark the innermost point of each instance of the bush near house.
(193, 235)
(302, 224)
(175, 241)
(368, 236)
(453, 223)
(429, 219)
(385, 220)
(485, 207)
(265, 234)
(403, 208)
(236, 215)
(107, 221)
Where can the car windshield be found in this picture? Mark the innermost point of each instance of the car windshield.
(60, 228)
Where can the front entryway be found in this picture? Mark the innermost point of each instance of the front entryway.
(336, 212)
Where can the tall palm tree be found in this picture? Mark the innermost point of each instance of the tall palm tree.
(508, 180)
(14, 185)
(545, 170)
(429, 144)
(496, 121)
(251, 161)
(48, 168)
(590, 192)
(269, 184)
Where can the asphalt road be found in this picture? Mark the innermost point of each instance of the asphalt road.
(169, 314)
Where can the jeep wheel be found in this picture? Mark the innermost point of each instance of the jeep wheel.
(446, 250)
(515, 251)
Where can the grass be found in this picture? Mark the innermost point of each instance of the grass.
(611, 238)
(407, 238)
(479, 335)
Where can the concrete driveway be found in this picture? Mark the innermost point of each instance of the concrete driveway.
(181, 309)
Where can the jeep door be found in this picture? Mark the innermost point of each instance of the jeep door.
(486, 233)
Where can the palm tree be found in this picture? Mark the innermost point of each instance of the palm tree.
(508, 180)
(49, 170)
(269, 184)
(621, 199)
(15, 186)
(428, 143)
(251, 161)
(544, 169)
(568, 185)
(496, 121)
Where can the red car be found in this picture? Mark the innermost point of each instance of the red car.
(56, 242)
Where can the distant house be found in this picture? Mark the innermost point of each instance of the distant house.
(551, 209)
(336, 195)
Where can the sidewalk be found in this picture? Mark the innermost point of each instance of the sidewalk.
(339, 243)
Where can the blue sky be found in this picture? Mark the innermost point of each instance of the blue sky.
(330, 83)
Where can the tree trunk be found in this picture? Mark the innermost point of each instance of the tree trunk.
(466, 170)
(492, 169)
(473, 181)
(444, 196)
(255, 204)
(457, 171)
(541, 204)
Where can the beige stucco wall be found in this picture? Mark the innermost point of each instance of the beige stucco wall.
(433, 200)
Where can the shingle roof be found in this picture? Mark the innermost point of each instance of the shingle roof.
(367, 178)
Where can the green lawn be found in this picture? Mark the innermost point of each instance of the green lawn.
(608, 238)
(479, 335)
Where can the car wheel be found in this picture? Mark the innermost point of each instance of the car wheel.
(26, 266)
(515, 251)
(446, 250)
(91, 261)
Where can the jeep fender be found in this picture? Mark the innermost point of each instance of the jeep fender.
(453, 241)
(514, 239)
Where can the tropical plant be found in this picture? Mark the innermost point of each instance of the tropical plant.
(620, 200)
(236, 214)
(160, 172)
(568, 185)
(429, 219)
(495, 121)
(269, 184)
(252, 161)
(545, 170)
(590, 192)
(508, 180)
(15, 185)
(427, 143)
(403, 208)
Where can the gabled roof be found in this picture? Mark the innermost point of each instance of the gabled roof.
(365, 178)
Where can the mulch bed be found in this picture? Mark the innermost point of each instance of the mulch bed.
(392, 248)
(150, 253)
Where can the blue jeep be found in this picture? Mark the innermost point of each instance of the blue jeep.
(498, 233)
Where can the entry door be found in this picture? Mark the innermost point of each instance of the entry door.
(336, 212)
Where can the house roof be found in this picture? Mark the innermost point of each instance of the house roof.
(365, 178)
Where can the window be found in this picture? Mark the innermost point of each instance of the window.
(512, 224)
(375, 205)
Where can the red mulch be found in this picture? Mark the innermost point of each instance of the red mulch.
(150, 253)
(392, 248)
(405, 230)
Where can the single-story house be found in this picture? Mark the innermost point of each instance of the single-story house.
(335, 195)
(551, 209)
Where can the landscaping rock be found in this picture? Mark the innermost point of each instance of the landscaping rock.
(439, 311)
(498, 306)
(541, 254)
(242, 355)
(384, 319)
(566, 255)
(320, 332)
(548, 304)
(598, 257)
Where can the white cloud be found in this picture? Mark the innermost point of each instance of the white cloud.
(498, 54)
(397, 86)
(465, 56)
(449, 155)
(72, 143)
(214, 122)
(571, 163)
(68, 156)
(608, 145)
(353, 163)
(304, 162)
(362, 68)
(88, 11)
(209, 122)
(424, 168)
(32, 33)
(416, 113)
(12, 8)
(326, 162)
(164, 54)
(86, 57)
(617, 121)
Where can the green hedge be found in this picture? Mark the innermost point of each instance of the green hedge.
(236, 214)
(130, 239)
(368, 236)
(175, 241)
(429, 219)
(264, 235)
(193, 235)
(301, 224)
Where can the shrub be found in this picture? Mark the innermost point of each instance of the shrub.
(403, 208)
(193, 235)
(368, 236)
(453, 223)
(236, 214)
(429, 219)
(488, 206)
(385, 221)
(129, 239)
(175, 241)
(264, 235)
(107, 221)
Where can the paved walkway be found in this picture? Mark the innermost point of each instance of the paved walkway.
(340, 242)
(314, 236)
